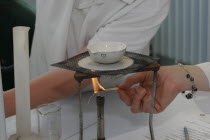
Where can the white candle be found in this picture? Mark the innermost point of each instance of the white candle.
(22, 81)
(3, 135)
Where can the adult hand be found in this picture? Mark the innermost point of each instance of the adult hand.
(171, 80)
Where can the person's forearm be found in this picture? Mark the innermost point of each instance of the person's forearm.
(200, 79)
(48, 88)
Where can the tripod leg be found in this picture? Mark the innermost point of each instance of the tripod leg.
(80, 112)
(152, 106)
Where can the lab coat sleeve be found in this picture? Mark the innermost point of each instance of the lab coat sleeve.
(206, 69)
(136, 28)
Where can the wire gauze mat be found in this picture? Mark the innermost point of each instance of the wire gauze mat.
(140, 61)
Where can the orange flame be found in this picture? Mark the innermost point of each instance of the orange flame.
(97, 86)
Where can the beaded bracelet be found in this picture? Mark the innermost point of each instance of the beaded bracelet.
(191, 78)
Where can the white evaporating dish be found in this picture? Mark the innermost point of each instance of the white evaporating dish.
(107, 52)
(88, 63)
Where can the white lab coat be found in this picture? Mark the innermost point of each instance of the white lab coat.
(206, 69)
(133, 22)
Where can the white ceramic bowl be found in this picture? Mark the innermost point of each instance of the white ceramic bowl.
(106, 52)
